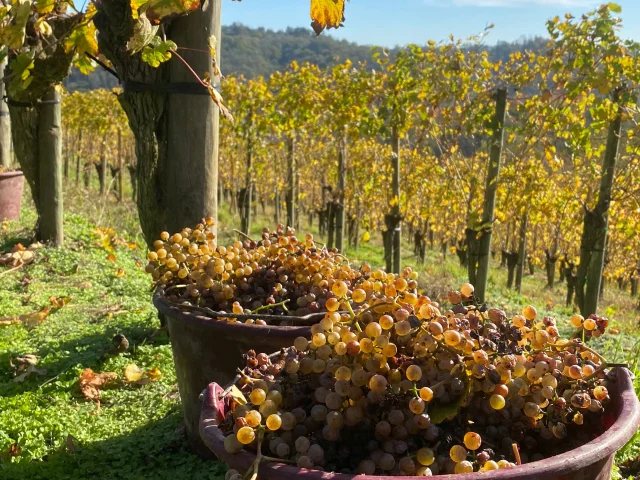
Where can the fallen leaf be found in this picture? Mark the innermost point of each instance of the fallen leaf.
(28, 359)
(5, 321)
(154, 374)
(132, 245)
(28, 371)
(18, 247)
(33, 319)
(91, 383)
(139, 264)
(111, 257)
(59, 302)
(84, 285)
(132, 373)
(120, 272)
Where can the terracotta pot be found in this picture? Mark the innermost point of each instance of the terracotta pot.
(592, 461)
(206, 350)
(11, 187)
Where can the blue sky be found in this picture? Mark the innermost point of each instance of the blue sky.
(396, 22)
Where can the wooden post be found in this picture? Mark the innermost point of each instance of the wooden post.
(522, 252)
(395, 211)
(5, 124)
(493, 174)
(78, 150)
(596, 224)
(191, 168)
(291, 177)
(339, 205)
(120, 168)
(50, 169)
(103, 165)
(248, 191)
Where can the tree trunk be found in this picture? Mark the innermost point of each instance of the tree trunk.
(67, 152)
(342, 180)
(291, 176)
(277, 207)
(596, 223)
(396, 233)
(5, 124)
(493, 175)
(571, 284)
(512, 262)
(522, 252)
(37, 138)
(176, 173)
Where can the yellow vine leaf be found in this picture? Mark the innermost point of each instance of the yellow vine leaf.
(326, 14)
(132, 373)
(159, 10)
(83, 40)
(217, 98)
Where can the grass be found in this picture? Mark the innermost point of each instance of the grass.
(49, 431)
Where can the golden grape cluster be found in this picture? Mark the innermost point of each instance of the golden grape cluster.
(280, 274)
(403, 385)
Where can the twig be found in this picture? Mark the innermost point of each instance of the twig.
(13, 269)
(244, 235)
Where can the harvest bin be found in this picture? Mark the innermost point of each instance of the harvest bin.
(11, 186)
(207, 350)
(592, 461)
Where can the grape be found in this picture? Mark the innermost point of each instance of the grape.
(387, 462)
(274, 421)
(246, 435)
(577, 320)
(232, 444)
(497, 402)
(378, 383)
(426, 456)
(258, 396)
(416, 405)
(464, 467)
(426, 394)
(467, 290)
(253, 418)
(472, 441)
(458, 453)
(407, 466)
(366, 467)
(414, 373)
(600, 393)
(283, 450)
(302, 444)
(315, 453)
(529, 312)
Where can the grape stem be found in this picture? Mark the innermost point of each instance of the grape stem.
(244, 235)
(252, 473)
(516, 453)
(267, 307)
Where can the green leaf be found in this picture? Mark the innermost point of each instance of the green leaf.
(21, 68)
(158, 52)
(614, 7)
(442, 413)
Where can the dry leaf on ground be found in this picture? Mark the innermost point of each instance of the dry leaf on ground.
(91, 383)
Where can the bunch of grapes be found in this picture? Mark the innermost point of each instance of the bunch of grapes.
(593, 326)
(279, 274)
(401, 385)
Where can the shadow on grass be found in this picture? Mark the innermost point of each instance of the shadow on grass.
(157, 450)
(89, 351)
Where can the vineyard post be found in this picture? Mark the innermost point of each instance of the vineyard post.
(522, 251)
(395, 190)
(291, 168)
(248, 193)
(50, 169)
(339, 206)
(103, 165)
(596, 224)
(276, 202)
(5, 124)
(120, 167)
(493, 173)
(78, 150)
(67, 152)
(192, 159)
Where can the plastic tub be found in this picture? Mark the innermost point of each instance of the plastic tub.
(207, 350)
(592, 461)
(11, 187)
